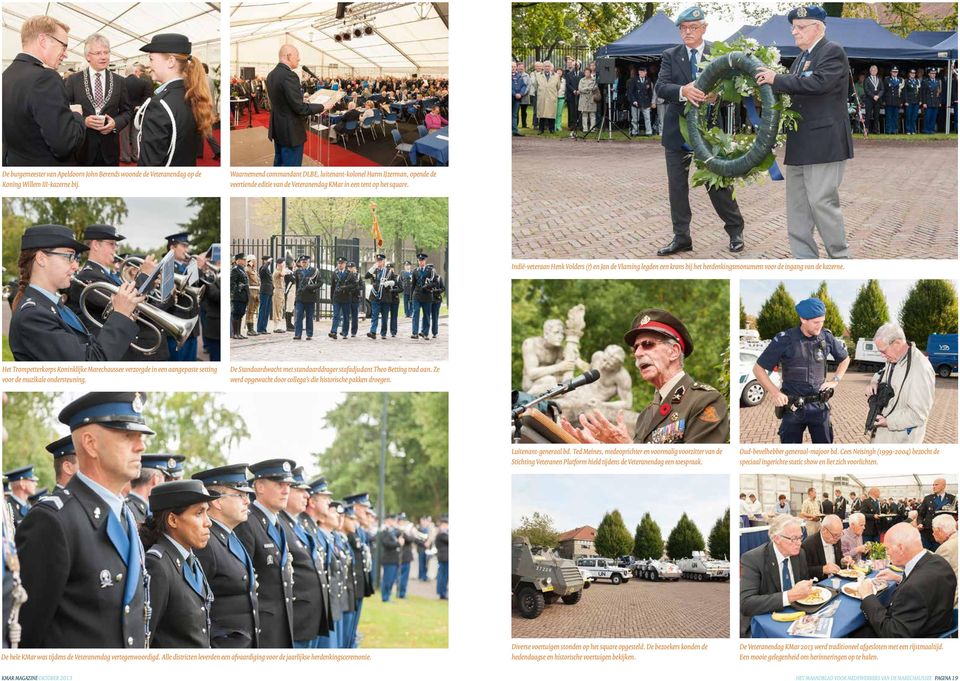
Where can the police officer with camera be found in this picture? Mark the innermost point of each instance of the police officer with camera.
(802, 353)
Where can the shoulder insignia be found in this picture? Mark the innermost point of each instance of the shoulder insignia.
(709, 415)
(704, 386)
(779, 335)
(56, 502)
(155, 551)
(678, 394)
(28, 303)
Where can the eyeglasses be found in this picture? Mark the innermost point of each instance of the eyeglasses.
(72, 257)
(647, 344)
(691, 29)
(233, 494)
(57, 39)
(792, 540)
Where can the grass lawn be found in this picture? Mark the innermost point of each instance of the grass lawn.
(414, 622)
(7, 354)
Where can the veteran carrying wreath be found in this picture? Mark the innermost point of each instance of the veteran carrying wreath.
(725, 160)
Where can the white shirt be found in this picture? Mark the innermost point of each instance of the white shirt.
(912, 563)
(828, 554)
(699, 48)
(755, 508)
(780, 559)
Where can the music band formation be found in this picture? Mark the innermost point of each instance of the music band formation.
(116, 308)
(124, 553)
(262, 296)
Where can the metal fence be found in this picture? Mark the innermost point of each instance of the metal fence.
(556, 55)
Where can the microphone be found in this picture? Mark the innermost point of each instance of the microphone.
(562, 389)
(311, 73)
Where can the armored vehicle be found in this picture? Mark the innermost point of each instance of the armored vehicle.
(540, 577)
(701, 568)
(656, 570)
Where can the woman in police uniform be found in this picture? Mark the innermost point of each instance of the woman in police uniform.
(180, 113)
(180, 597)
(42, 328)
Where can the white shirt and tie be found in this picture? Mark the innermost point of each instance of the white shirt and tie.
(784, 587)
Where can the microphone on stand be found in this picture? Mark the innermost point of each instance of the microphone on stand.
(562, 389)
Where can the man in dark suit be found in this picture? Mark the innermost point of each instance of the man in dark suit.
(822, 549)
(287, 125)
(80, 556)
(873, 99)
(571, 79)
(678, 70)
(39, 129)
(870, 508)
(102, 95)
(138, 90)
(826, 506)
(817, 151)
(928, 509)
(922, 605)
(266, 292)
(264, 539)
(773, 575)
(839, 504)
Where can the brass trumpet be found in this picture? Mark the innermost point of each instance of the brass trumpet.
(154, 320)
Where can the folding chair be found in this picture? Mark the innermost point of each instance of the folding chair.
(403, 149)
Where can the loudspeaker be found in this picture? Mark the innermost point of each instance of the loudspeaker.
(606, 70)
(248, 72)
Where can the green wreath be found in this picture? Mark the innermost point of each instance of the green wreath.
(765, 140)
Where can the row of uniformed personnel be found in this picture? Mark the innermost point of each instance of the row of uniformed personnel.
(205, 567)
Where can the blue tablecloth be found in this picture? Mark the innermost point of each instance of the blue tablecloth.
(432, 146)
(846, 620)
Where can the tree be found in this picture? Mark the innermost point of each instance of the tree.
(416, 461)
(777, 313)
(196, 425)
(868, 312)
(539, 529)
(743, 315)
(833, 321)
(28, 418)
(648, 542)
(930, 307)
(204, 227)
(613, 538)
(684, 539)
(73, 212)
(902, 18)
(719, 540)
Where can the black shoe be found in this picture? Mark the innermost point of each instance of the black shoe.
(424, 336)
(309, 337)
(332, 335)
(297, 338)
(736, 243)
(384, 337)
(372, 335)
(676, 246)
(414, 336)
(343, 335)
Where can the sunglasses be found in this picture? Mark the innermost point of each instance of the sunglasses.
(647, 344)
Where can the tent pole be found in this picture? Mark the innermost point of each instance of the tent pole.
(949, 78)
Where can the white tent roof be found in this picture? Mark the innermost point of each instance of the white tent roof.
(126, 25)
(407, 37)
(924, 480)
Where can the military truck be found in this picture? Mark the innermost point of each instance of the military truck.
(540, 577)
(656, 570)
(700, 567)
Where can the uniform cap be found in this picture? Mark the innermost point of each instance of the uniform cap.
(179, 494)
(280, 470)
(660, 321)
(234, 476)
(172, 43)
(121, 411)
(62, 447)
(179, 237)
(105, 232)
(22, 473)
(50, 236)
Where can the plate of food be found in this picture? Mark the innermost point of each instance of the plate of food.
(850, 573)
(816, 599)
(851, 589)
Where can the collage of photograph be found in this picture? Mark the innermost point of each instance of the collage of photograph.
(728, 232)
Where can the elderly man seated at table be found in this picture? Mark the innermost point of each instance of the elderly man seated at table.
(822, 549)
(773, 575)
(852, 545)
(945, 534)
(922, 606)
(351, 114)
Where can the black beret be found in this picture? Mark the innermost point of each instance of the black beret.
(179, 494)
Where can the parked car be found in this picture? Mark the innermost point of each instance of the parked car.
(604, 568)
(751, 392)
(942, 353)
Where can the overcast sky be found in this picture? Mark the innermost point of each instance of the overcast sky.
(576, 500)
(755, 292)
(149, 220)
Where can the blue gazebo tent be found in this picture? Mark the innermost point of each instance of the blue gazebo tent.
(948, 46)
(744, 31)
(649, 39)
(929, 38)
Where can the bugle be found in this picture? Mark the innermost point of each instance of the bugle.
(154, 320)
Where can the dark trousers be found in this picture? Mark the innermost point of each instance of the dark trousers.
(930, 120)
(545, 124)
(435, 317)
(387, 580)
(354, 317)
(892, 120)
(341, 319)
(573, 114)
(287, 156)
(872, 118)
(812, 417)
(407, 304)
(422, 566)
(404, 580)
(523, 115)
(212, 346)
(186, 353)
(678, 180)
(303, 312)
(378, 313)
(443, 576)
(394, 310)
(910, 118)
(263, 312)
(421, 318)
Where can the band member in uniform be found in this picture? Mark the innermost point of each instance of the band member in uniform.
(393, 303)
(437, 288)
(381, 293)
(64, 461)
(406, 284)
(892, 97)
(102, 241)
(235, 617)
(308, 602)
(39, 129)
(324, 511)
(308, 292)
(356, 302)
(152, 467)
(422, 300)
(343, 291)
(265, 541)
(179, 110)
(391, 545)
(318, 498)
(239, 295)
(442, 542)
(911, 102)
(23, 485)
(265, 274)
(179, 243)
(406, 555)
(683, 409)
(210, 311)
(357, 509)
(180, 596)
(80, 555)
(102, 95)
(42, 328)
(802, 354)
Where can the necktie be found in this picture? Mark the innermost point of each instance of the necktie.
(785, 575)
(67, 315)
(693, 64)
(98, 92)
(799, 64)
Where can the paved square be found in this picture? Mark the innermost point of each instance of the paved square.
(849, 414)
(583, 199)
(636, 609)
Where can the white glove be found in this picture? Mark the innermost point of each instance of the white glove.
(389, 283)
